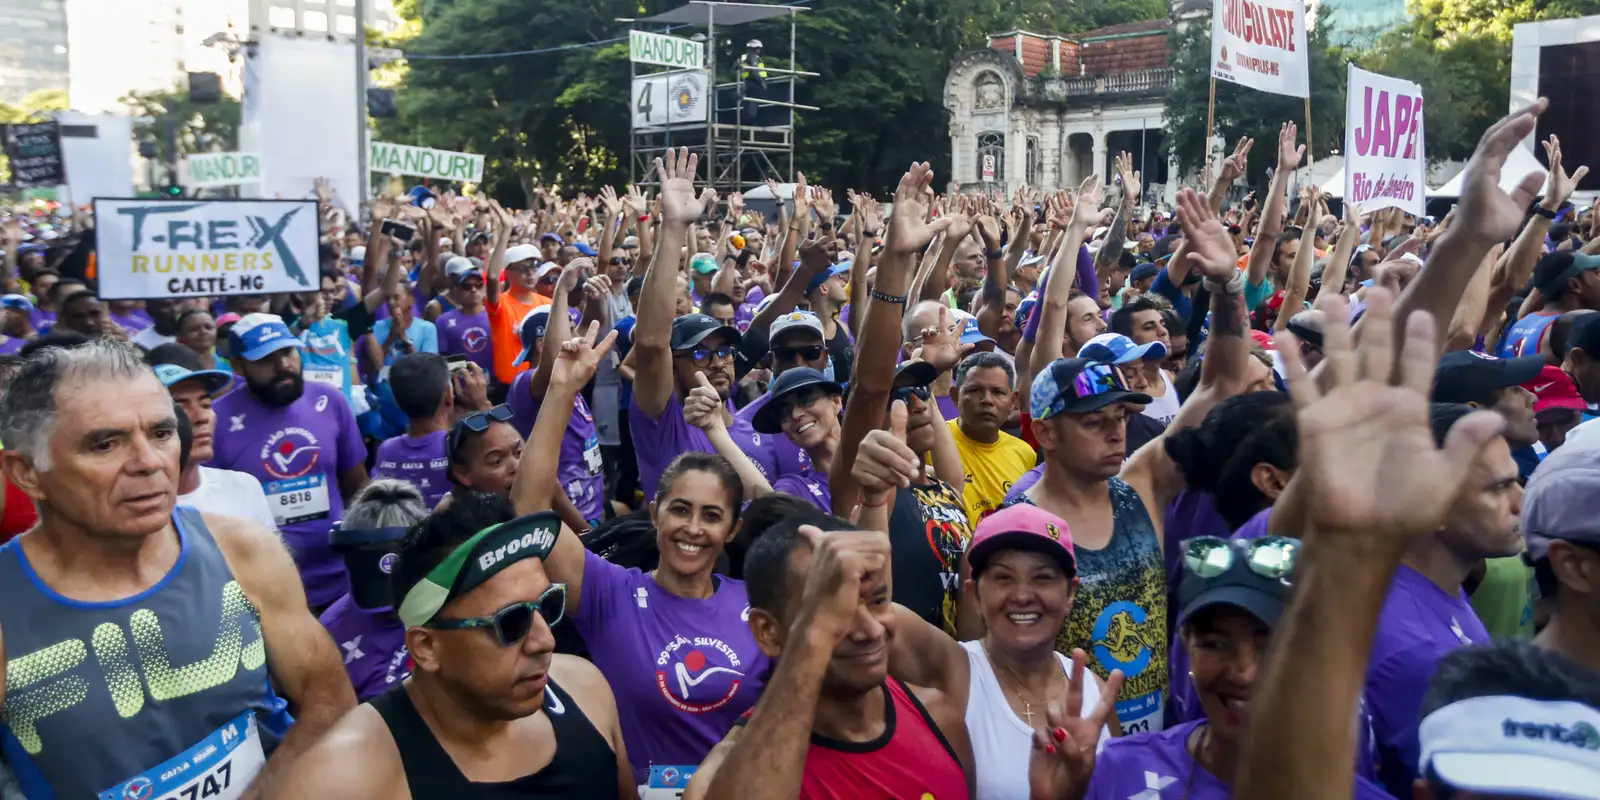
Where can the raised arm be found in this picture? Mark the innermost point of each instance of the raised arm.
(1294, 297)
(559, 328)
(610, 211)
(1289, 155)
(652, 333)
(703, 409)
(867, 221)
(1108, 262)
(497, 260)
(1339, 265)
(1233, 168)
(1052, 309)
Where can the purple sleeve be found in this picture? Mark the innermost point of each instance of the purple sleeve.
(352, 451)
(1031, 330)
(1088, 282)
(605, 586)
(524, 412)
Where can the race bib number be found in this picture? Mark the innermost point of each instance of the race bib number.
(331, 377)
(591, 455)
(298, 499)
(1142, 714)
(219, 767)
(667, 782)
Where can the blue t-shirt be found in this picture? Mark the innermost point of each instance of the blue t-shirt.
(422, 335)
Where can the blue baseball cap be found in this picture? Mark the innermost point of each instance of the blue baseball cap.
(173, 374)
(842, 268)
(256, 336)
(1079, 386)
(421, 197)
(1114, 348)
(1024, 309)
(585, 249)
(16, 302)
(531, 331)
(971, 335)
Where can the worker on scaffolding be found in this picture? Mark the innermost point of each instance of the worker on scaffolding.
(754, 74)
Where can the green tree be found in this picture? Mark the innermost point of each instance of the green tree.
(194, 127)
(1446, 21)
(38, 105)
(1241, 111)
(1463, 79)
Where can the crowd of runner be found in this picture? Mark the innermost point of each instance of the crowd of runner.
(929, 496)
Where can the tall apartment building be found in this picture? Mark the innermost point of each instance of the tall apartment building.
(33, 47)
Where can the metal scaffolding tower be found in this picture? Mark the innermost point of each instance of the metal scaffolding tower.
(743, 139)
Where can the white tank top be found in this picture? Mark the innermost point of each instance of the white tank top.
(1162, 409)
(1001, 740)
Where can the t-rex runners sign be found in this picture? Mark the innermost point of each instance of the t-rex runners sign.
(151, 248)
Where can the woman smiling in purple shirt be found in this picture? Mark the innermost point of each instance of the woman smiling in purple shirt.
(673, 642)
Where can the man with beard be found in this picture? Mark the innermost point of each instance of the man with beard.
(490, 710)
(299, 439)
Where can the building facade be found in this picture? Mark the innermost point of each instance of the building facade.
(1048, 110)
(33, 47)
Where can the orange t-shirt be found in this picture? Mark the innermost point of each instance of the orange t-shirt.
(504, 338)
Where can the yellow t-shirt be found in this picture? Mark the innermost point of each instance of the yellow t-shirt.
(991, 469)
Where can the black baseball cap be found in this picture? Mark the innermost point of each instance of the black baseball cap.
(770, 418)
(1307, 327)
(914, 373)
(1079, 386)
(1551, 274)
(689, 330)
(1238, 586)
(1144, 271)
(1465, 376)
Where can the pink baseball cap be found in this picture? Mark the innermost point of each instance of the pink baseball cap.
(1264, 339)
(1022, 527)
(1554, 389)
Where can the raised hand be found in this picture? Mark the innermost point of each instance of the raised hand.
(472, 388)
(635, 202)
(1130, 178)
(909, 230)
(823, 202)
(802, 196)
(382, 208)
(735, 205)
(703, 407)
(1210, 249)
(501, 217)
(1063, 752)
(574, 274)
(462, 208)
(1289, 153)
(941, 343)
(609, 201)
(597, 287)
(884, 460)
(1086, 210)
(1367, 451)
(841, 561)
(579, 358)
(1561, 184)
(1233, 166)
(679, 205)
(1486, 210)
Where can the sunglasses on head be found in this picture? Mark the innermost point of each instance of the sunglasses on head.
(1270, 556)
(905, 393)
(513, 623)
(810, 352)
(477, 422)
(703, 355)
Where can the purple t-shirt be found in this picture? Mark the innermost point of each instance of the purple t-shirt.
(791, 460)
(134, 322)
(808, 485)
(683, 670)
(743, 315)
(580, 472)
(462, 334)
(42, 319)
(297, 452)
(657, 441)
(420, 461)
(947, 407)
(11, 345)
(1025, 483)
(373, 643)
(1158, 766)
(1420, 624)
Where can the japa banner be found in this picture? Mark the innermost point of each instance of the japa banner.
(150, 248)
(1383, 143)
(1261, 44)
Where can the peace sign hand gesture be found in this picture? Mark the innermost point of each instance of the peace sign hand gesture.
(580, 357)
(1063, 755)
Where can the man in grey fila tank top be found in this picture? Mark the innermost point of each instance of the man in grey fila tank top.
(140, 643)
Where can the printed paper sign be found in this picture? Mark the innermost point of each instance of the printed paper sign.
(666, 51)
(1383, 143)
(445, 165)
(187, 248)
(670, 98)
(988, 167)
(1261, 44)
(35, 153)
(201, 170)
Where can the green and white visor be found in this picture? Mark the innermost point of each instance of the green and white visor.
(477, 560)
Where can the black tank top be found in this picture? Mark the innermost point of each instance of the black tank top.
(584, 764)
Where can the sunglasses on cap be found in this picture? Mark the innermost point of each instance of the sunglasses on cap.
(703, 355)
(477, 422)
(810, 352)
(1099, 379)
(513, 623)
(1270, 556)
(905, 393)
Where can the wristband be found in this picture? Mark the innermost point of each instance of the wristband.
(898, 300)
(993, 255)
(644, 218)
(1234, 286)
(862, 501)
(1544, 212)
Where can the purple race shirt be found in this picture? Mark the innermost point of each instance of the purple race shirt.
(580, 472)
(421, 462)
(10, 345)
(297, 452)
(1025, 483)
(1420, 624)
(657, 441)
(373, 643)
(134, 322)
(808, 485)
(683, 670)
(1158, 766)
(42, 319)
(462, 334)
(791, 460)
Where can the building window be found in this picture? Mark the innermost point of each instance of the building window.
(1035, 163)
(991, 157)
(988, 92)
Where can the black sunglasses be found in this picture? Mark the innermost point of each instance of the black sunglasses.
(477, 422)
(810, 352)
(617, 261)
(513, 623)
(905, 393)
(703, 355)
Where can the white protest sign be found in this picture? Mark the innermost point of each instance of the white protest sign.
(666, 51)
(1383, 143)
(444, 165)
(1261, 44)
(149, 248)
(201, 170)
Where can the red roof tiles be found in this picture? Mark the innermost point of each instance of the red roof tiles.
(1119, 48)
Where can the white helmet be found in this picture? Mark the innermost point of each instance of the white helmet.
(753, 44)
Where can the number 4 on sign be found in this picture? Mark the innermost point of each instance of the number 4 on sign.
(645, 105)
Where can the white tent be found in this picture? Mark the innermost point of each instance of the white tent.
(1518, 164)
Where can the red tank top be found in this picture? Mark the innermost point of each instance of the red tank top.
(910, 761)
(20, 514)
